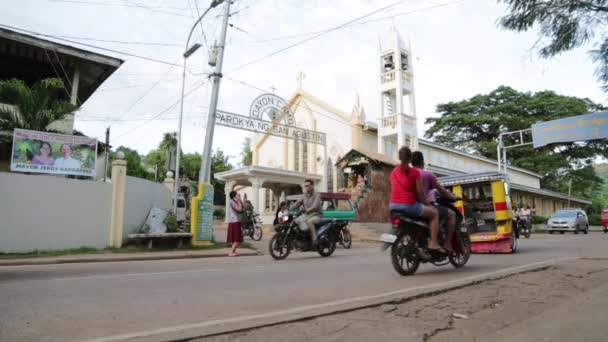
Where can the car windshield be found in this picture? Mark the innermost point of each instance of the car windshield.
(565, 214)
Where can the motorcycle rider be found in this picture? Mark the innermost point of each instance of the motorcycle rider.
(312, 210)
(408, 197)
(524, 215)
(431, 188)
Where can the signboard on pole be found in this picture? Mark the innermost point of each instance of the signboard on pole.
(575, 128)
(201, 217)
(256, 125)
(58, 154)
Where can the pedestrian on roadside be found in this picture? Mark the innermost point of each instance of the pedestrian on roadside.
(235, 234)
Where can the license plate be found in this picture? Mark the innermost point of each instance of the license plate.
(463, 229)
(481, 222)
(390, 238)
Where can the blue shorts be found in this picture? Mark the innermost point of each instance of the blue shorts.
(411, 210)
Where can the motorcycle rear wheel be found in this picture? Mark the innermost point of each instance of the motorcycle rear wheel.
(403, 255)
(276, 251)
(257, 233)
(461, 259)
(326, 248)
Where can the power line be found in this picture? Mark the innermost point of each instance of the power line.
(317, 35)
(347, 26)
(118, 41)
(153, 9)
(114, 4)
(195, 87)
(91, 46)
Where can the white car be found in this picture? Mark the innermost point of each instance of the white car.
(568, 220)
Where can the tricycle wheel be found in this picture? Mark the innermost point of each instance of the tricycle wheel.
(345, 238)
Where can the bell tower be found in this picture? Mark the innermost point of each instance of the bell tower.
(397, 121)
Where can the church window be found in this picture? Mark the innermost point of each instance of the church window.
(296, 147)
(304, 157)
(404, 63)
(329, 173)
(267, 196)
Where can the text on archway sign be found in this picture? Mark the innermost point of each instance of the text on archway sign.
(262, 126)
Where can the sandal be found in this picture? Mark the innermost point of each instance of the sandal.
(439, 250)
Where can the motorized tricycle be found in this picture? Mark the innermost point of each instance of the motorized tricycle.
(486, 208)
(338, 206)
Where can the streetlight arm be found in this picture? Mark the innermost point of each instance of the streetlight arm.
(214, 3)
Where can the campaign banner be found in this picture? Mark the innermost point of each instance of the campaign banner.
(252, 124)
(575, 128)
(59, 154)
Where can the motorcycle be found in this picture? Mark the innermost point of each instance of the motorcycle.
(345, 238)
(523, 227)
(252, 226)
(409, 248)
(288, 236)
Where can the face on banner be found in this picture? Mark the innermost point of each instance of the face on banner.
(41, 152)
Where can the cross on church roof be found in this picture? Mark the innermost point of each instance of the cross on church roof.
(300, 78)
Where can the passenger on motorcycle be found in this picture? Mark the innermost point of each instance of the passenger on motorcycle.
(408, 197)
(282, 212)
(431, 187)
(524, 215)
(311, 204)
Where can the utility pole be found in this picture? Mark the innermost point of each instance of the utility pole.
(569, 191)
(105, 166)
(205, 172)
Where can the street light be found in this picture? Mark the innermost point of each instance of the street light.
(187, 53)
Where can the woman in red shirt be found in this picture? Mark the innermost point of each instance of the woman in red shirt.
(407, 196)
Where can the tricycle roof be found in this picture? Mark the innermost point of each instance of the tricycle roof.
(472, 178)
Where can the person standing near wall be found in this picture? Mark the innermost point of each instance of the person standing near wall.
(235, 234)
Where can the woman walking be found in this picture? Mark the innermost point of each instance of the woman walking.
(235, 234)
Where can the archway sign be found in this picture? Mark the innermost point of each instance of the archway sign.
(268, 114)
(571, 129)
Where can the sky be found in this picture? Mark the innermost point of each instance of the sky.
(458, 52)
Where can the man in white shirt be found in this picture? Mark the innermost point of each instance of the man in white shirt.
(66, 161)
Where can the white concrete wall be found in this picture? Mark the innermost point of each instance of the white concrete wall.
(49, 213)
(141, 195)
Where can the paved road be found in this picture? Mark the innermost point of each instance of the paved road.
(86, 301)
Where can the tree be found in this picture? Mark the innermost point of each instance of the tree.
(474, 124)
(135, 167)
(247, 154)
(219, 163)
(563, 25)
(190, 165)
(34, 107)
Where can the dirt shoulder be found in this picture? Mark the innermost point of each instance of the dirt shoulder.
(489, 309)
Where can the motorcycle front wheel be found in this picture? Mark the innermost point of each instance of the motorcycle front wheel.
(257, 233)
(403, 255)
(276, 248)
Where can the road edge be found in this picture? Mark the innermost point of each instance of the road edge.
(243, 323)
(89, 259)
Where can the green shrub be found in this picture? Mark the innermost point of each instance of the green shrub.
(539, 219)
(219, 213)
(171, 222)
(595, 220)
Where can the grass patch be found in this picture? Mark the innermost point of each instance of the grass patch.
(53, 253)
(125, 250)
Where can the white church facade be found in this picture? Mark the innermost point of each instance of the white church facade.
(280, 165)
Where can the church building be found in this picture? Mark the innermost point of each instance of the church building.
(354, 146)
